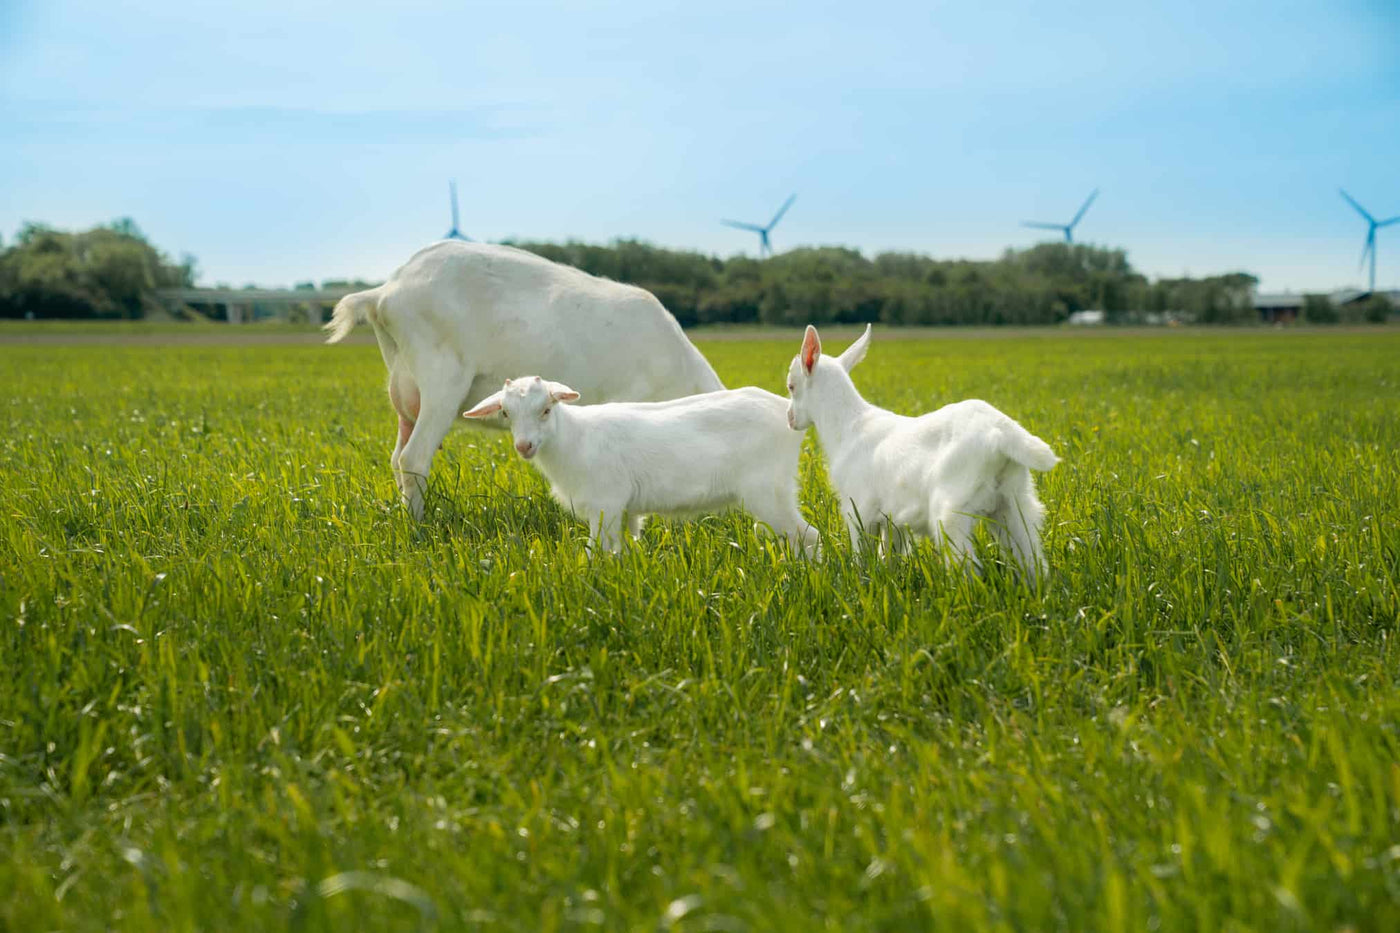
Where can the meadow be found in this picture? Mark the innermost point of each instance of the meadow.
(241, 690)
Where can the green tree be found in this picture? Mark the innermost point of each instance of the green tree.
(1318, 309)
(1375, 308)
(106, 272)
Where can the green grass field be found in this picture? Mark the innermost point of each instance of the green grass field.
(241, 690)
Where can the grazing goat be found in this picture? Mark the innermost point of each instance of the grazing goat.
(691, 455)
(458, 318)
(934, 474)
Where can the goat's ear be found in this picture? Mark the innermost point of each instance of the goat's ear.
(562, 393)
(855, 352)
(487, 406)
(811, 348)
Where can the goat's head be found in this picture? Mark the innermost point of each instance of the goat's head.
(527, 404)
(810, 372)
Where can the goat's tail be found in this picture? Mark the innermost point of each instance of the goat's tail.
(1026, 449)
(349, 311)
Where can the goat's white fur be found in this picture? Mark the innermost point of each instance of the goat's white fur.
(458, 318)
(705, 453)
(934, 474)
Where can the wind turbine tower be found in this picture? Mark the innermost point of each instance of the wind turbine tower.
(454, 233)
(765, 246)
(1068, 228)
(1373, 226)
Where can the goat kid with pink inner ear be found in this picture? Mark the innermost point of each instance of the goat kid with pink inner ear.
(623, 461)
(935, 474)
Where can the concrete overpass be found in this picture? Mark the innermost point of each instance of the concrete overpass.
(240, 304)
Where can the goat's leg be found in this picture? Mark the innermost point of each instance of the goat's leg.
(894, 538)
(1018, 523)
(403, 394)
(405, 432)
(853, 526)
(803, 535)
(873, 541)
(440, 402)
(605, 528)
(865, 531)
(853, 529)
(781, 514)
(954, 533)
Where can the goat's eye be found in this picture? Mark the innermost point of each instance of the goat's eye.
(544, 414)
(505, 414)
(791, 387)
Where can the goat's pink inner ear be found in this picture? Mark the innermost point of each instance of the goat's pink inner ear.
(811, 348)
(560, 392)
(482, 410)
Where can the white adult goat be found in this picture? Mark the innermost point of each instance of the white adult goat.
(458, 318)
(934, 474)
(691, 455)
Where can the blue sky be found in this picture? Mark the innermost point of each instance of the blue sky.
(298, 140)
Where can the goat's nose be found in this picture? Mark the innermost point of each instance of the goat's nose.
(524, 448)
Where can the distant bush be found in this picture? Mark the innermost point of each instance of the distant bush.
(1319, 309)
(1376, 308)
(106, 272)
(1372, 309)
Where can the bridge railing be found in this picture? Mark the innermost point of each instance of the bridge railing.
(240, 304)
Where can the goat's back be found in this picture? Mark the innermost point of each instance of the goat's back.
(505, 311)
(694, 453)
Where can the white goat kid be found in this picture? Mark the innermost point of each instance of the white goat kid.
(934, 474)
(458, 318)
(692, 455)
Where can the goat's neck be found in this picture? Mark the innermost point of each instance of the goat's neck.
(839, 414)
(561, 449)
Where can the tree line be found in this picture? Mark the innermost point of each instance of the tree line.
(113, 272)
(1043, 284)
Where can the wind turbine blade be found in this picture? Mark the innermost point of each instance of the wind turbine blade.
(781, 211)
(1042, 226)
(1387, 222)
(1370, 247)
(453, 186)
(753, 228)
(1359, 209)
(1085, 207)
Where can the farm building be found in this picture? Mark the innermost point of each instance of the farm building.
(1279, 307)
(1287, 307)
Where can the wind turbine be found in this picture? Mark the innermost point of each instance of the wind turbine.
(454, 233)
(1370, 246)
(1069, 227)
(765, 247)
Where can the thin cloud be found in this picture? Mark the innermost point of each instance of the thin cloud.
(50, 124)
